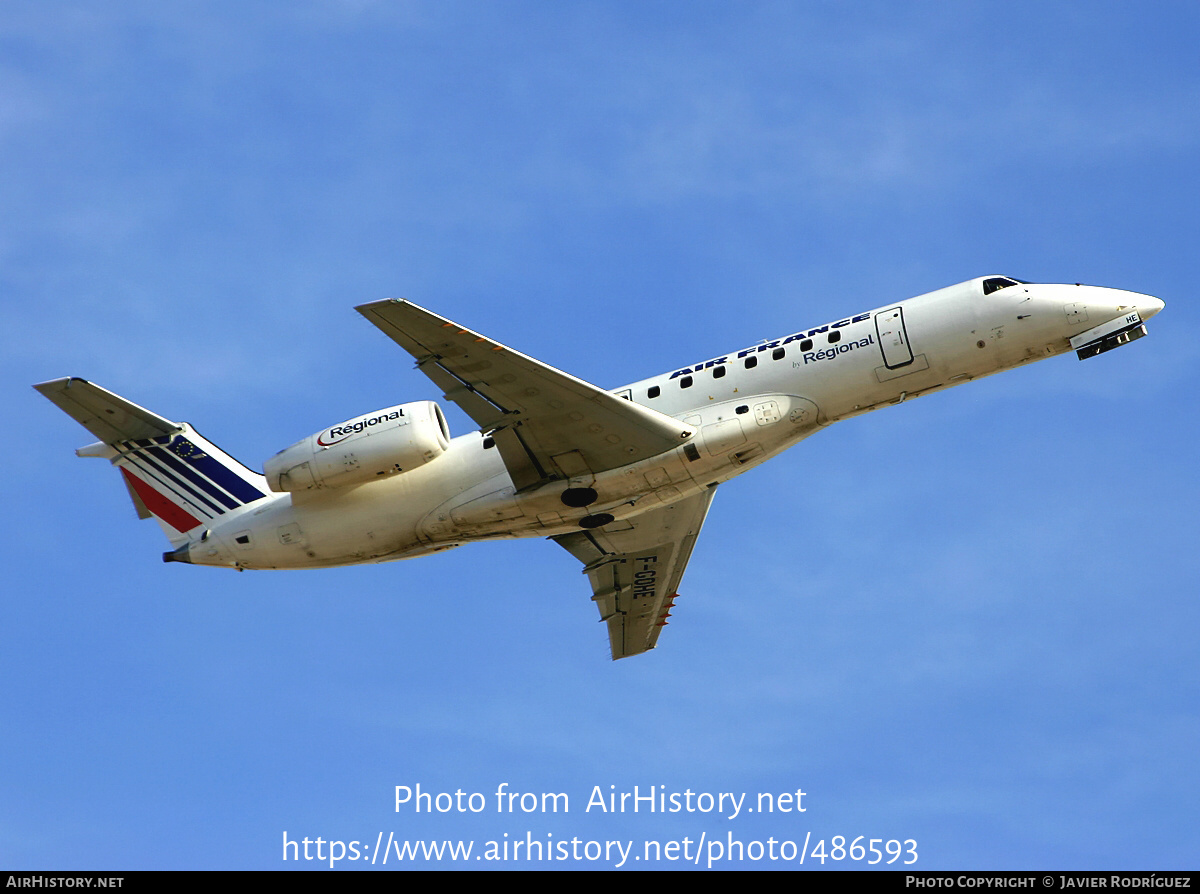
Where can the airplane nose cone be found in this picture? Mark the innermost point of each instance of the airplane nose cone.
(1148, 306)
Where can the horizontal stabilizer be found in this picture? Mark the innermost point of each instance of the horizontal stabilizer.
(107, 416)
(172, 474)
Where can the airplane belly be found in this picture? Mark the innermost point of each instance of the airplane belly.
(310, 541)
(369, 523)
(730, 436)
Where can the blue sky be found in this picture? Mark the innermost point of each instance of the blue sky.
(969, 620)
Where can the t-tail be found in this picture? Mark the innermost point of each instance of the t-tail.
(172, 473)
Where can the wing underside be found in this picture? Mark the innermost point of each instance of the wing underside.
(548, 425)
(635, 568)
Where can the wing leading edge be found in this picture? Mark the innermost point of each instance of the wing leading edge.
(635, 568)
(548, 425)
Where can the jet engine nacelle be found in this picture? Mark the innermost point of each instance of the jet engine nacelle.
(365, 448)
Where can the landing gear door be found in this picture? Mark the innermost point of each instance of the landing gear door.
(893, 340)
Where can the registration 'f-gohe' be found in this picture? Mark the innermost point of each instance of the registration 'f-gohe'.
(621, 479)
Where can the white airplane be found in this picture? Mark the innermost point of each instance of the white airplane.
(621, 479)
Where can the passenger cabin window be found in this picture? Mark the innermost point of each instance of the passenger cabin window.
(806, 345)
(778, 353)
(685, 382)
(996, 283)
(751, 362)
(718, 372)
(835, 336)
(654, 391)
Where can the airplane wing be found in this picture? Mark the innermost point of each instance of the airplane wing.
(547, 425)
(635, 570)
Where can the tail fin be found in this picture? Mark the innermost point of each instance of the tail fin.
(171, 472)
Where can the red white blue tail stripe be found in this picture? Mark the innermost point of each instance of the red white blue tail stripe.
(184, 480)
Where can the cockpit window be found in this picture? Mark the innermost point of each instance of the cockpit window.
(995, 283)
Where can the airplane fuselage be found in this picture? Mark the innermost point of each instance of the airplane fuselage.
(744, 407)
